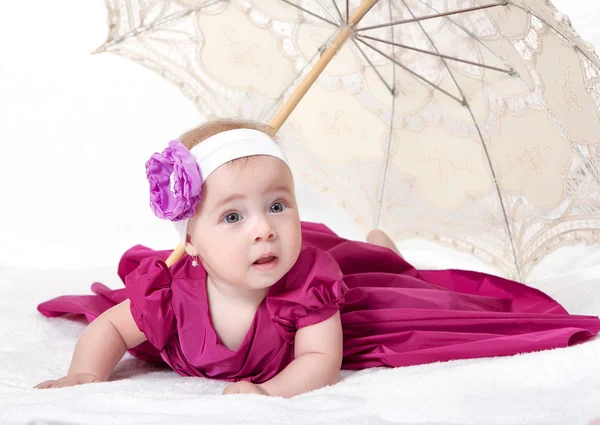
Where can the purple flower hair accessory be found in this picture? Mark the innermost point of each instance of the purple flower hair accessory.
(175, 182)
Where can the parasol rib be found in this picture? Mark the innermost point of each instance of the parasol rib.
(485, 149)
(354, 22)
(329, 12)
(583, 52)
(390, 132)
(326, 57)
(533, 91)
(437, 15)
(441, 55)
(347, 11)
(462, 102)
(309, 12)
(339, 12)
(373, 66)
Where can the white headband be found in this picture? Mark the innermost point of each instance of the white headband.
(224, 147)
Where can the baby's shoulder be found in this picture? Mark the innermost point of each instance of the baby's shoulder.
(310, 293)
(315, 271)
(313, 263)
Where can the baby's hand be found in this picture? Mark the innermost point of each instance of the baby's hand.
(244, 387)
(69, 381)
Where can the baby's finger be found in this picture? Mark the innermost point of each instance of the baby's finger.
(45, 384)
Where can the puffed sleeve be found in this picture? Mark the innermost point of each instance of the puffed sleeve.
(313, 291)
(148, 288)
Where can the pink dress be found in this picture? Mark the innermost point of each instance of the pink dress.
(392, 314)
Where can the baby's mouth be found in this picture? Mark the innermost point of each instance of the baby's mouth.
(264, 260)
(266, 263)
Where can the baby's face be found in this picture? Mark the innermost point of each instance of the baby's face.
(246, 230)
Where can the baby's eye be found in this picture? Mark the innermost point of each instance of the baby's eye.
(277, 207)
(232, 218)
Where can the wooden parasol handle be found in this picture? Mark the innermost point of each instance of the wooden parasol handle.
(326, 57)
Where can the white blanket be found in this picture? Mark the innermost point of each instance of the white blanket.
(76, 131)
(560, 386)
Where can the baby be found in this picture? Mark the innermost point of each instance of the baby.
(246, 233)
(260, 298)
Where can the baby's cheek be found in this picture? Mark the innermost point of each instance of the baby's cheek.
(297, 239)
(221, 258)
(292, 247)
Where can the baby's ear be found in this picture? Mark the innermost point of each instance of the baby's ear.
(189, 248)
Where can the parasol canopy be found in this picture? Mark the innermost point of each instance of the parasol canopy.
(473, 124)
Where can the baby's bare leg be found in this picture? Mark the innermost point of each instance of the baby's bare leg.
(378, 237)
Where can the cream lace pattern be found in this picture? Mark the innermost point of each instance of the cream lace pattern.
(502, 164)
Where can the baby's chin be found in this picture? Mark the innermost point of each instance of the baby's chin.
(265, 282)
(261, 280)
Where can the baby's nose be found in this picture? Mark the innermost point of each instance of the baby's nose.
(264, 231)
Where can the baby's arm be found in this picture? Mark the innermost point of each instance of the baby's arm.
(318, 351)
(100, 347)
